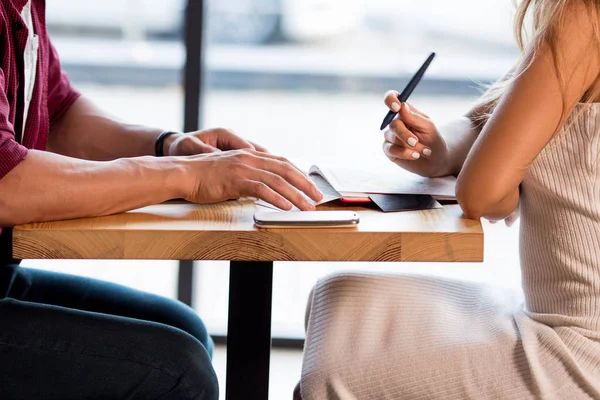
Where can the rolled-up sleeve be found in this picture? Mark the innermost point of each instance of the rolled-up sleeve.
(11, 152)
(61, 95)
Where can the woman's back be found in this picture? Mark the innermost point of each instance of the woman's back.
(560, 227)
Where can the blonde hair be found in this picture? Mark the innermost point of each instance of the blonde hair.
(546, 17)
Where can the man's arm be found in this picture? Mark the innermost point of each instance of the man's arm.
(79, 129)
(41, 186)
(46, 186)
(86, 132)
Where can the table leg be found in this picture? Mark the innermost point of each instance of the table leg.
(249, 330)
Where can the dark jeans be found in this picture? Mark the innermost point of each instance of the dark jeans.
(67, 337)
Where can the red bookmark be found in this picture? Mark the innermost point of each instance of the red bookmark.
(354, 200)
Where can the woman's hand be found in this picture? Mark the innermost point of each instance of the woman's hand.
(413, 142)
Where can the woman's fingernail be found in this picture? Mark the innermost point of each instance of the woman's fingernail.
(426, 152)
(395, 107)
(416, 155)
(412, 142)
(407, 107)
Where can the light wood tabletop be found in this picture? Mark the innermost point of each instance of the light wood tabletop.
(226, 231)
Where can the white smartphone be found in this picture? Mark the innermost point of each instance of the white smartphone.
(306, 219)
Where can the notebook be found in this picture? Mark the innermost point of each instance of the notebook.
(390, 191)
(359, 184)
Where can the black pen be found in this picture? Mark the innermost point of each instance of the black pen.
(403, 97)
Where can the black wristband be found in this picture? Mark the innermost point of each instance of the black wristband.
(160, 140)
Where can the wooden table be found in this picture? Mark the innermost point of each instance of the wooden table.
(182, 231)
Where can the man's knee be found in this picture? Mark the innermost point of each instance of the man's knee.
(181, 316)
(201, 381)
(188, 361)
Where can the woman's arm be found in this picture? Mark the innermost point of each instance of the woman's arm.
(531, 111)
(461, 134)
(441, 151)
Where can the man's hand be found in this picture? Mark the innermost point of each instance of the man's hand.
(216, 177)
(207, 141)
(224, 166)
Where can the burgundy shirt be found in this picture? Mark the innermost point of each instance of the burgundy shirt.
(52, 92)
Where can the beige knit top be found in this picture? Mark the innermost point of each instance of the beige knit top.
(560, 227)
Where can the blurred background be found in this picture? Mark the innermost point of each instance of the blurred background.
(306, 79)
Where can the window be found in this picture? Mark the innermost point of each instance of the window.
(127, 56)
(305, 78)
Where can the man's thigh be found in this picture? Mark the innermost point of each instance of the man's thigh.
(54, 352)
(81, 293)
